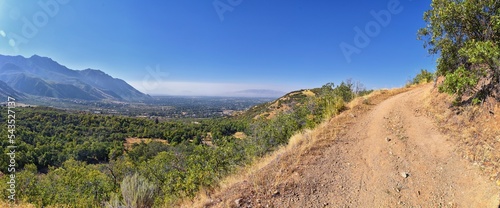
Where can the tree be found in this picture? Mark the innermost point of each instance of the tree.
(466, 35)
(74, 183)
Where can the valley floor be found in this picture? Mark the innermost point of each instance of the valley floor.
(388, 154)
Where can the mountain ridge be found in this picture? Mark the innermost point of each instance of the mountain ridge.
(44, 77)
(6, 91)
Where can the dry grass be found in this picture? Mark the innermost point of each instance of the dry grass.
(5, 204)
(129, 142)
(476, 129)
(308, 93)
(278, 106)
(268, 174)
(240, 135)
(20, 205)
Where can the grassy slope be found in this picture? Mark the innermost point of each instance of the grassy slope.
(475, 128)
(285, 103)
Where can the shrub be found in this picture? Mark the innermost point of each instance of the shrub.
(75, 183)
(138, 192)
(458, 82)
(345, 91)
(423, 77)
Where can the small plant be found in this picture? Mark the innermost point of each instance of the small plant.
(476, 101)
(366, 101)
(138, 192)
(114, 202)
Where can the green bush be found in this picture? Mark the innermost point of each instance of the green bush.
(75, 183)
(458, 82)
(345, 91)
(423, 77)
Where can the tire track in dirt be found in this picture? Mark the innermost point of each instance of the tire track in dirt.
(407, 162)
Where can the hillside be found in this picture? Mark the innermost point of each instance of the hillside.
(385, 151)
(6, 91)
(288, 102)
(177, 159)
(44, 77)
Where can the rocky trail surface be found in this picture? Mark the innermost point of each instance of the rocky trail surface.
(389, 156)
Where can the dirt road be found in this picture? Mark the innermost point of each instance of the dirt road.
(402, 159)
(391, 156)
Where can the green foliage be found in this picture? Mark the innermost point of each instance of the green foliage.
(332, 99)
(345, 91)
(27, 183)
(476, 101)
(75, 183)
(458, 81)
(481, 52)
(144, 151)
(48, 137)
(423, 77)
(165, 170)
(466, 35)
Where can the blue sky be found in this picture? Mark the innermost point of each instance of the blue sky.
(213, 47)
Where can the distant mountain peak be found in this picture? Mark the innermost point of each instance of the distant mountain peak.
(94, 72)
(42, 58)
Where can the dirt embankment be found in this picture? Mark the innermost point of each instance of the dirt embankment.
(384, 152)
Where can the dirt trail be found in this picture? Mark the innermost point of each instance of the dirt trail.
(402, 159)
(392, 156)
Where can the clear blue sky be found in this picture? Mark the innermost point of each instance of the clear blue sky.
(163, 46)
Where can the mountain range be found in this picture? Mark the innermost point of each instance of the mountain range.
(43, 77)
